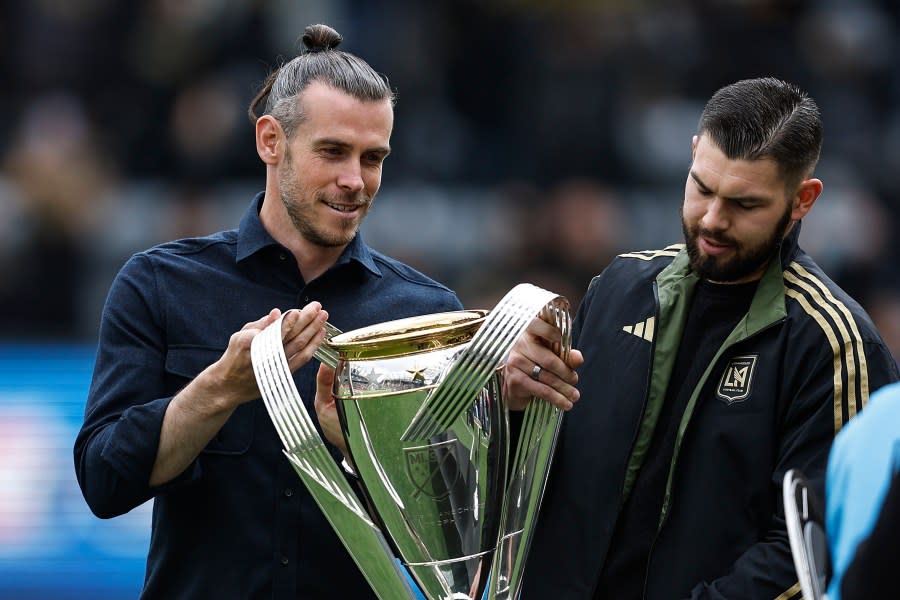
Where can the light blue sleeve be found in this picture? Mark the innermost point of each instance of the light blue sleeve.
(862, 462)
(412, 581)
(415, 586)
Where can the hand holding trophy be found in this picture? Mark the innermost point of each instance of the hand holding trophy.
(424, 421)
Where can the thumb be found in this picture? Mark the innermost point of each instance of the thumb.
(324, 383)
(576, 359)
(263, 322)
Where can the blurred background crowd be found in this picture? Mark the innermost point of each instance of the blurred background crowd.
(533, 141)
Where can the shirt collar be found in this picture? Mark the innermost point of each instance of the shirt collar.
(253, 237)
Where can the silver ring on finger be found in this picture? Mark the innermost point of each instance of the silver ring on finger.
(536, 373)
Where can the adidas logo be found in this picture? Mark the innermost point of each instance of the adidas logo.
(644, 329)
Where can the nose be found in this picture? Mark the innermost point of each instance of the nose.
(350, 178)
(715, 218)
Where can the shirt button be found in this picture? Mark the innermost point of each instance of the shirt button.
(284, 560)
(288, 492)
(282, 256)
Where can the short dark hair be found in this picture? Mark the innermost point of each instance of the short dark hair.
(320, 62)
(766, 118)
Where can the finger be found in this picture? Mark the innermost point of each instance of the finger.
(297, 320)
(263, 322)
(553, 389)
(540, 329)
(304, 334)
(240, 341)
(324, 384)
(528, 356)
(301, 353)
(575, 358)
(564, 396)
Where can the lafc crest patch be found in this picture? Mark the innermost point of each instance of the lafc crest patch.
(737, 379)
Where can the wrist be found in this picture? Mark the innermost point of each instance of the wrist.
(213, 392)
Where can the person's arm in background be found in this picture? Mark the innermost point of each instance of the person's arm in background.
(863, 460)
(871, 572)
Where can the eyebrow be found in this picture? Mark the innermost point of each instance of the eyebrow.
(384, 150)
(706, 188)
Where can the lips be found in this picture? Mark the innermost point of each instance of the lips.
(713, 247)
(344, 208)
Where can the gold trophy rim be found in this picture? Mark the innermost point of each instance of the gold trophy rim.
(410, 335)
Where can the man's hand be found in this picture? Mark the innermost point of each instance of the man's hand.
(326, 411)
(302, 331)
(554, 381)
(200, 410)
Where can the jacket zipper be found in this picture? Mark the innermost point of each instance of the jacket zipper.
(666, 504)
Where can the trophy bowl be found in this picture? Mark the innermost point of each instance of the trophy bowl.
(438, 499)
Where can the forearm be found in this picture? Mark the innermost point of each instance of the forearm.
(192, 419)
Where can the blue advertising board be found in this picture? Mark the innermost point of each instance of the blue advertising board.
(51, 546)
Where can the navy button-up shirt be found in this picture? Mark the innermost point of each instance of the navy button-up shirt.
(238, 523)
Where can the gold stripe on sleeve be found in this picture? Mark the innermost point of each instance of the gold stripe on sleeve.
(835, 348)
(847, 341)
(863, 367)
(790, 592)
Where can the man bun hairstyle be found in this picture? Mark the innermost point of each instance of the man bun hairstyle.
(320, 60)
(766, 118)
(318, 38)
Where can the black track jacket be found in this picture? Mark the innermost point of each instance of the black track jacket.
(801, 362)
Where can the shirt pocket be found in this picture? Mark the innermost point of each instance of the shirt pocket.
(236, 436)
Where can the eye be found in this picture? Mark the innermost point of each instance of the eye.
(331, 151)
(374, 158)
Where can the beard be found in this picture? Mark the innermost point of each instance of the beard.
(747, 259)
(302, 207)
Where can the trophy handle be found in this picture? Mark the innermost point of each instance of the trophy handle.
(318, 470)
(805, 524)
(485, 353)
(528, 475)
(541, 423)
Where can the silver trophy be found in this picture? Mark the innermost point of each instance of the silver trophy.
(805, 522)
(423, 416)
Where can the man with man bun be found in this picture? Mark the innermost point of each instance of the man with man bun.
(173, 413)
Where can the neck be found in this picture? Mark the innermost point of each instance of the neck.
(312, 259)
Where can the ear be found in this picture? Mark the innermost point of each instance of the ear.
(694, 141)
(270, 140)
(804, 198)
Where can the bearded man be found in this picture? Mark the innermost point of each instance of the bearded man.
(710, 368)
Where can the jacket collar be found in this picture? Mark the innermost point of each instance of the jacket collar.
(768, 305)
(790, 246)
(253, 237)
